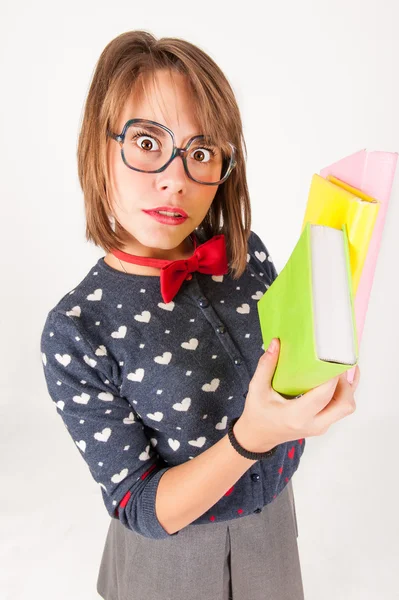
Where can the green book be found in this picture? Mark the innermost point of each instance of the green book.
(310, 308)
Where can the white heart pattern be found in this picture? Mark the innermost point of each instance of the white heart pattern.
(198, 443)
(191, 345)
(74, 312)
(64, 359)
(101, 351)
(222, 424)
(120, 333)
(183, 405)
(257, 296)
(168, 306)
(97, 295)
(81, 445)
(90, 361)
(103, 436)
(144, 317)
(118, 477)
(260, 256)
(164, 359)
(130, 419)
(145, 455)
(211, 387)
(60, 404)
(137, 375)
(174, 444)
(158, 416)
(243, 309)
(106, 396)
(82, 399)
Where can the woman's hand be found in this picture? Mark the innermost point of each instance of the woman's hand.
(269, 419)
(344, 395)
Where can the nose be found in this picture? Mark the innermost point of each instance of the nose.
(173, 177)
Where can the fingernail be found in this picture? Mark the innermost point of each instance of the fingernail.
(272, 346)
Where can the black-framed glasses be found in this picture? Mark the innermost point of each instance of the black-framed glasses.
(149, 147)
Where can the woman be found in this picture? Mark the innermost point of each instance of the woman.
(155, 359)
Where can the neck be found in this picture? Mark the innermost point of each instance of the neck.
(184, 251)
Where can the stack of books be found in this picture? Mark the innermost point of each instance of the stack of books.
(318, 303)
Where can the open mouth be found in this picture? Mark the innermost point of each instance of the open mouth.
(166, 217)
(168, 214)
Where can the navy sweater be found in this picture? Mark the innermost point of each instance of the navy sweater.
(142, 386)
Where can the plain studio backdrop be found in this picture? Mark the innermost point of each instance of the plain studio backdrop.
(315, 81)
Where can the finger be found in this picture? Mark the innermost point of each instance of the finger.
(355, 379)
(337, 408)
(343, 380)
(317, 398)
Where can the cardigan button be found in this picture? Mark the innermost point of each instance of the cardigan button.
(237, 361)
(221, 329)
(257, 510)
(203, 302)
(255, 477)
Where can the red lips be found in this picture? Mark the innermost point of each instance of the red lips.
(173, 209)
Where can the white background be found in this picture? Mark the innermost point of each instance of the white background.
(315, 81)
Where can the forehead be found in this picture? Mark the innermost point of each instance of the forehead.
(167, 100)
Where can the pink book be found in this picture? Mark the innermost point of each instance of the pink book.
(373, 173)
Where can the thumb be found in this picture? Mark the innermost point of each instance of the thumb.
(270, 358)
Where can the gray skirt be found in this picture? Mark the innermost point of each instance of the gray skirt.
(250, 558)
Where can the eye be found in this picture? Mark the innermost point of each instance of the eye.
(145, 142)
(203, 154)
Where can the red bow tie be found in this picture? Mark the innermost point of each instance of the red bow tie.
(210, 258)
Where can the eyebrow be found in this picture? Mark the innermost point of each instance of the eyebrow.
(154, 129)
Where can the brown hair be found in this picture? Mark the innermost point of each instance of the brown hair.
(123, 65)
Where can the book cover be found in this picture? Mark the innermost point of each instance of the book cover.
(286, 311)
(374, 173)
(333, 203)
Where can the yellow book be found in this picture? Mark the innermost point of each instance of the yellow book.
(333, 203)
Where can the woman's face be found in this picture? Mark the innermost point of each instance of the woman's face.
(132, 192)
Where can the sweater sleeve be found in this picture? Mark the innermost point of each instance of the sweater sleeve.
(104, 426)
(260, 257)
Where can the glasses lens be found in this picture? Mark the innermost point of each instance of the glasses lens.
(207, 162)
(147, 147)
